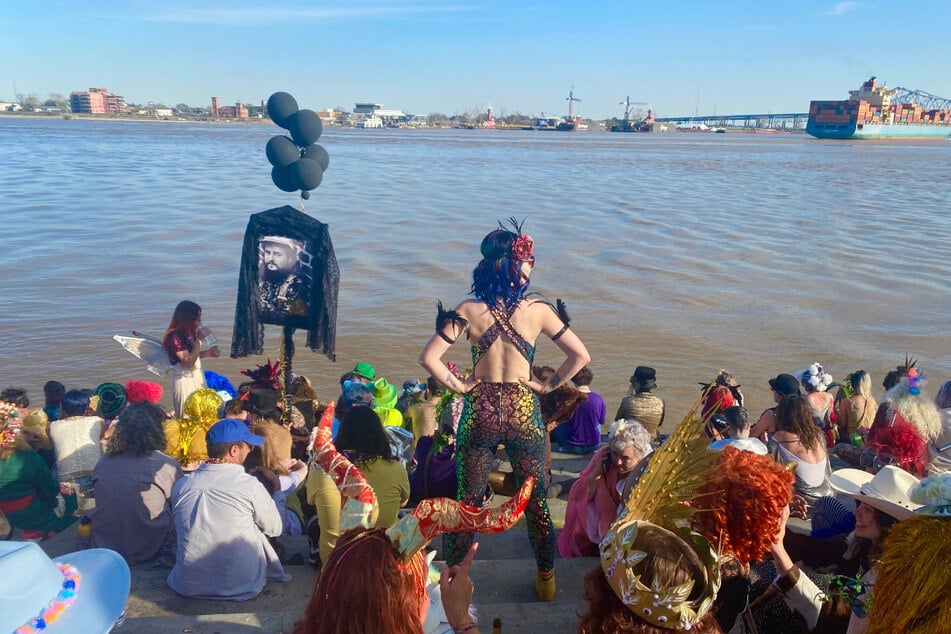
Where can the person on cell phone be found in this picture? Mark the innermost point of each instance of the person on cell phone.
(594, 497)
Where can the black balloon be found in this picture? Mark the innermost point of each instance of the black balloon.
(317, 153)
(282, 178)
(305, 127)
(305, 174)
(280, 106)
(281, 151)
(305, 195)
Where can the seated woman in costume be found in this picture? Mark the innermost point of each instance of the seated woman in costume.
(76, 437)
(133, 481)
(185, 437)
(30, 497)
(36, 428)
(884, 500)
(905, 423)
(857, 410)
(718, 395)
(781, 386)
(362, 438)
(594, 497)
(816, 381)
(800, 441)
(733, 425)
(641, 404)
(375, 579)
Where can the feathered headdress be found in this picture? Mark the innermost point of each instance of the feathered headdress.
(431, 518)
(267, 376)
(675, 474)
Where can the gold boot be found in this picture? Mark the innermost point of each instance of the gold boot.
(545, 585)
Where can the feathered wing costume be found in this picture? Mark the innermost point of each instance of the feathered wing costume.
(147, 348)
(733, 498)
(432, 517)
(321, 322)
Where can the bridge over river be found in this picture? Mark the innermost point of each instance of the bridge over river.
(781, 121)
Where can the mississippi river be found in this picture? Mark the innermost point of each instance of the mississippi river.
(686, 252)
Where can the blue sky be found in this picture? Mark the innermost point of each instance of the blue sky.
(422, 56)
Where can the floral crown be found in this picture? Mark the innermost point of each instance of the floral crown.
(934, 494)
(11, 422)
(523, 247)
(815, 379)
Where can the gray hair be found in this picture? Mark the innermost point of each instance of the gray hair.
(630, 433)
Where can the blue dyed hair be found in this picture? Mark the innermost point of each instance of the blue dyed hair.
(497, 280)
(75, 403)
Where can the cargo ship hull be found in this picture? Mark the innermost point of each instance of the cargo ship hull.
(870, 114)
(877, 131)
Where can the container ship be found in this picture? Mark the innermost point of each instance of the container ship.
(869, 113)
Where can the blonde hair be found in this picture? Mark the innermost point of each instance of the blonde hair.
(36, 426)
(861, 383)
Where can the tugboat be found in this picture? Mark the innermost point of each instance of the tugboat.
(626, 125)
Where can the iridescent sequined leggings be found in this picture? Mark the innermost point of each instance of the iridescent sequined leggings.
(506, 414)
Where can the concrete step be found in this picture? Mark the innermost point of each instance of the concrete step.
(503, 589)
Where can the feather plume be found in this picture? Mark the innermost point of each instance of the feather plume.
(912, 573)
(562, 311)
(515, 223)
(673, 476)
(444, 316)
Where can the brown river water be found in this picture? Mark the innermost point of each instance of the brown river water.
(687, 252)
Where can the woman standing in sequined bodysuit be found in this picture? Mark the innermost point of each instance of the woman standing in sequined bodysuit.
(501, 405)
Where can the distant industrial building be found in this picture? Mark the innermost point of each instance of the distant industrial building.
(378, 110)
(237, 111)
(96, 101)
(9, 106)
(373, 115)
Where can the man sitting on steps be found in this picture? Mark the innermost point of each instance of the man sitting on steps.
(223, 518)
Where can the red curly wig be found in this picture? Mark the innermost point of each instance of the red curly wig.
(143, 391)
(741, 504)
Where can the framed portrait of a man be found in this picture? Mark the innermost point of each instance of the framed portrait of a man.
(285, 275)
(288, 277)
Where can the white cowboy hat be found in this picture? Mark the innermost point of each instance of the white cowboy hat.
(30, 581)
(889, 490)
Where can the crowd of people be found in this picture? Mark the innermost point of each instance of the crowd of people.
(689, 519)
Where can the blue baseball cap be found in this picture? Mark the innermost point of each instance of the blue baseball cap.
(231, 430)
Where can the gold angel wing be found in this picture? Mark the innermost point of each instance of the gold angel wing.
(675, 472)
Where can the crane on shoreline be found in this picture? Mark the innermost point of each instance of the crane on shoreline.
(627, 103)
